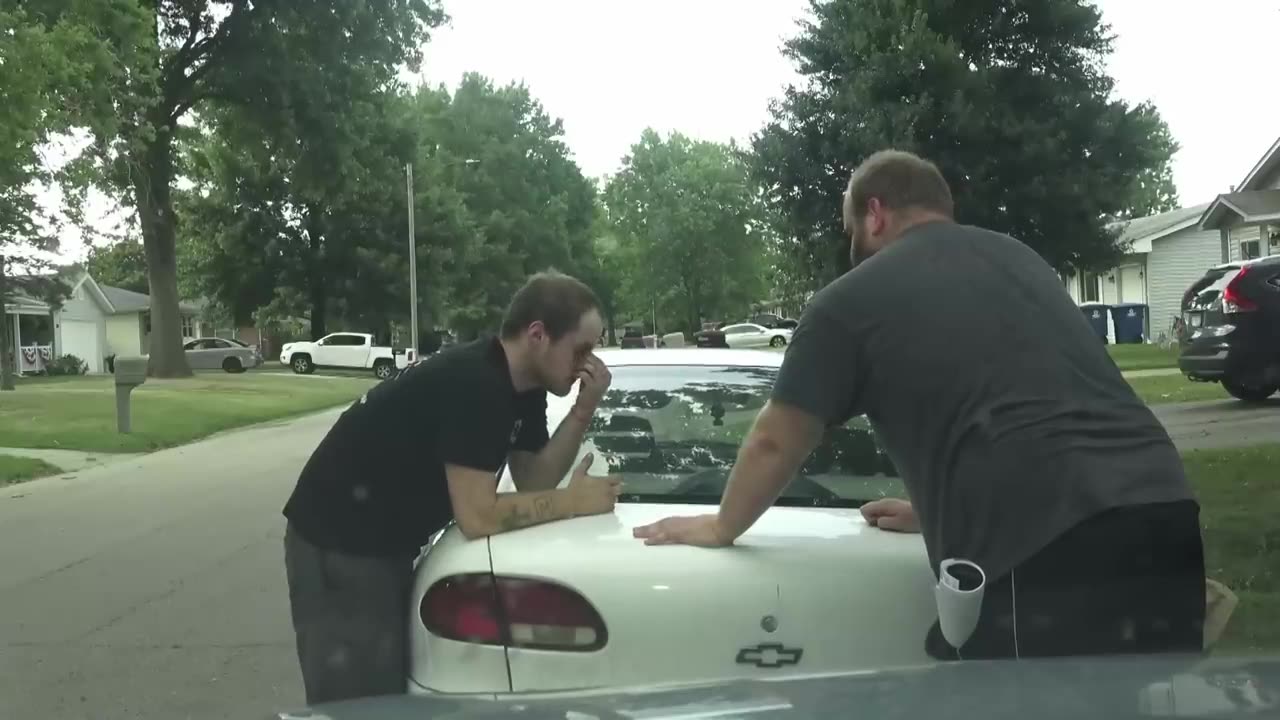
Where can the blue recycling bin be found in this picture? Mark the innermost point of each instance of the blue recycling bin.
(1095, 314)
(1130, 320)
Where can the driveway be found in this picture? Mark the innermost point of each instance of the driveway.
(1220, 423)
(153, 587)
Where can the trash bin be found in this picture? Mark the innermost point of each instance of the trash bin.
(1095, 314)
(1130, 320)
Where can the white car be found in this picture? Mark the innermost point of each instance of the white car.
(580, 603)
(342, 350)
(751, 335)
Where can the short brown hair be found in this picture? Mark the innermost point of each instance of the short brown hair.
(556, 300)
(899, 180)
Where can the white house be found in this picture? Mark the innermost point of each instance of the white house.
(1247, 219)
(1170, 251)
(94, 322)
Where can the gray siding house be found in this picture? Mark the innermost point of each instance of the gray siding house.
(1247, 219)
(1169, 251)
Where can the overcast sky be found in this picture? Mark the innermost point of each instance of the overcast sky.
(610, 68)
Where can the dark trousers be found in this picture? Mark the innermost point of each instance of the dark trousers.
(1127, 581)
(351, 619)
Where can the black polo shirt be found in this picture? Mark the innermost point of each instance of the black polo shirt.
(376, 483)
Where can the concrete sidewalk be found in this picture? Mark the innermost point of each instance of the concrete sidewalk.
(68, 460)
(1153, 372)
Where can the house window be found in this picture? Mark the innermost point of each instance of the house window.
(1249, 250)
(188, 326)
(1089, 287)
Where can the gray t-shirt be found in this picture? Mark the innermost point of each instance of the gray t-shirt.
(1002, 411)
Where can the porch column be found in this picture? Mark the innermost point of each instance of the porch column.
(17, 344)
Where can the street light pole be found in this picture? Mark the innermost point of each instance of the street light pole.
(413, 262)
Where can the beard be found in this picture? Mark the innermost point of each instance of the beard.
(859, 249)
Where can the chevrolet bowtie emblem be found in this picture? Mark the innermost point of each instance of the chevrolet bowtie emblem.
(769, 655)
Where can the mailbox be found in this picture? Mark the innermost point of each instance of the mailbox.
(130, 372)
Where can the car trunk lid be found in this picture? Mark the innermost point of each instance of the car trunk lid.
(806, 590)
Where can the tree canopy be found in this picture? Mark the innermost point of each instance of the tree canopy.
(691, 235)
(274, 61)
(1008, 97)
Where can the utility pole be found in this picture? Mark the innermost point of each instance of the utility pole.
(413, 262)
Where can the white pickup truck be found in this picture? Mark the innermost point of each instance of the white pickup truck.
(342, 350)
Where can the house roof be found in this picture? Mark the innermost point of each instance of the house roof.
(1141, 232)
(1270, 161)
(123, 301)
(128, 301)
(112, 300)
(1251, 206)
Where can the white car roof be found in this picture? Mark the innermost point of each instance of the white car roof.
(714, 357)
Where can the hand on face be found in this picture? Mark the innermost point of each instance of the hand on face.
(594, 377)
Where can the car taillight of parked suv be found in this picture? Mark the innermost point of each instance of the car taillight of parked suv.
(1233, 329)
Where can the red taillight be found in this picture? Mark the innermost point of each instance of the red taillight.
(535, 614)
(1232, 300)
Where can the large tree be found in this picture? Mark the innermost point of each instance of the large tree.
(688, 219)
(263, 57)
(44, 68)
(303, 216)
(1009, 97)
(308, 217)
(528, 207)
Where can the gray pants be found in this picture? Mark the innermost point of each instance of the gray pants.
(351, 618)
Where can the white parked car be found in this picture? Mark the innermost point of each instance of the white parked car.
(580, 603)
(751, 335)
(342, 350)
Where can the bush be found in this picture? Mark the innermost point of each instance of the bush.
(67, 365)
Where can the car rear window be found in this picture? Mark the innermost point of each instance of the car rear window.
(673, 433)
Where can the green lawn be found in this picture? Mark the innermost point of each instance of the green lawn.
(1158, 389)
(1239, 494)
(17, 469)
(79, 413)
(1143, 357)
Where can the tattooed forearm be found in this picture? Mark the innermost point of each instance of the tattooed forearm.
(543, 509)
(519, 510)
(514, 519)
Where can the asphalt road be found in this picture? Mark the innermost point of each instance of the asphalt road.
(153, 587)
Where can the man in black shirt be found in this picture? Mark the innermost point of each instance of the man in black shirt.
(1022, 447)
(426, 448)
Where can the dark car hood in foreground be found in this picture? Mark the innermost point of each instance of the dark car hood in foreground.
(1027, 690)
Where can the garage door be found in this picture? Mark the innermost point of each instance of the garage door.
(80, 338)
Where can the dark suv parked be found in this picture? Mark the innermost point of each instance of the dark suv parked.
(1232, 319)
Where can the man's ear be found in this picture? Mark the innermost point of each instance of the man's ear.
(537, 331)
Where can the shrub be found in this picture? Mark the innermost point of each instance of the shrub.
(67, 365)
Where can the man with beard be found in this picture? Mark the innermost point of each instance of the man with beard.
(1021, 446)
(425, 449)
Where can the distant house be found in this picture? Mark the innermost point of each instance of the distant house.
(1170, 251)
(1247, 219)
(1167, 252)
(94, 322)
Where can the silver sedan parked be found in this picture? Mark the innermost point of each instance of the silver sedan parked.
(232, 356)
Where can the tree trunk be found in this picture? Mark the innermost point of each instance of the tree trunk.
(6, 343)
(317, 288)
(155, 214)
